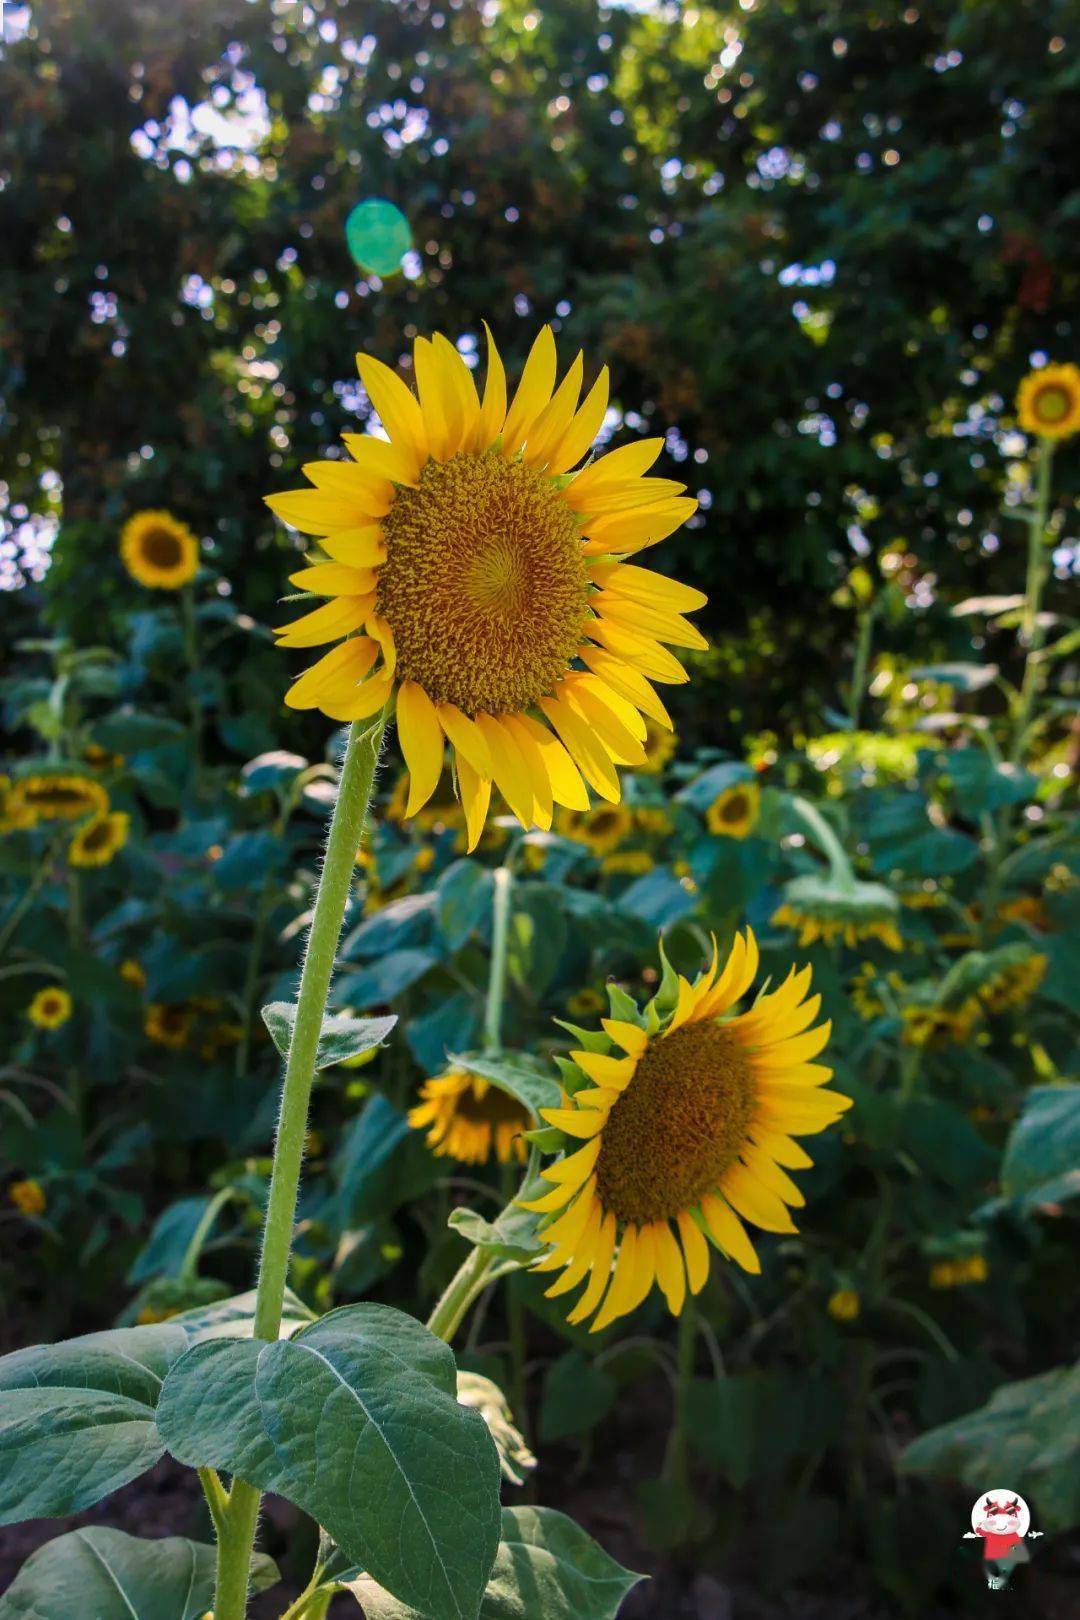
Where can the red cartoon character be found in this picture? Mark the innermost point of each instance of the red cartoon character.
(1001, 1520)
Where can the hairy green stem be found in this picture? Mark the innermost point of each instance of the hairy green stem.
(468, 1281)
(862, 659)
(496, 990)
(346, 829)
(1033, 628)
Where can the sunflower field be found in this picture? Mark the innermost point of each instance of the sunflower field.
(539, 847)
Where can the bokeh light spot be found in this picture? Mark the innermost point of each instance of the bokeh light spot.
(378, 235)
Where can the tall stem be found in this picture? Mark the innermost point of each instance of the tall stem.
(346, 829)
(826, 840)
(862, 660)
(496, 990)
(191, 651)
(1033, 627)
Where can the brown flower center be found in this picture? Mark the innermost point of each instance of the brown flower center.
(1051, 403)
(678, 1125)
(484, 584)
(495, 1107)
(162, 549)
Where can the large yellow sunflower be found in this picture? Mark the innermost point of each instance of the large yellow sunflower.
(159, 551)
(1048, 402)
(687, 1132)
(468, 570)
(466, 1118)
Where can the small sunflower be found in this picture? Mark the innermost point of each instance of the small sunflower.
(734, 812)
(467, 1118)
(168, 1025)
(50, 1008)
(825, 908)
(159, 551)
(628, 863)
(684, 1137)
(28, 1197)
(60, 796)
(97, 842)
(602, 828)
(15, 814)
(844, 1305)
(1049, 402)
(469, 572)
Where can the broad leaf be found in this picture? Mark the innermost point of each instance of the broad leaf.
(547, 1568)
(511, 1236)
(464, 892)
(1027, 1433)
(163, 1253)
(77, 1418)
(577, 1396)
(355, 1419)
(1043, 1151)
(516, 1072)
(341, 1036)
(99, 1574)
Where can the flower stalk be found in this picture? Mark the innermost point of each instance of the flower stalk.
(346, 829)
(1034, 629)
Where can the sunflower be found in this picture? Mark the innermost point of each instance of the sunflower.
(50, 1008)
(734, 812)
(628, 863)
(685, 1133)
(28, 1197)
(825, 908)
(97, 842)
(1013, 982)
(602, 828)
(844, 1305)
(1049, 402)
(467, 1117)
(468, 571)
(937, 1026)
(159, 551)
(168, 1025)
(60, 796)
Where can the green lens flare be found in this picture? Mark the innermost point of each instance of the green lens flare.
(378, 235)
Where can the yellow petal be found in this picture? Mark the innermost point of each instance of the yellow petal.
(563, 775)
(729, 1232)
(421, 743)
(643, 652)
(334, 579)
(624, 1283)
(555, 418)
(645, 585)
(380, 457)
(628, 683)
(543, 804)
(352, 484)
(576, 1167)
(771, 1176)
(319, 512)
(606, 1071)
(533, 391)
(343, 666)
(756, 1203)
(665, 626)
(577, 1122)
(368, 699)
(617, 738)
(508, 768)
(475, 797)
(359, 548)
(695, 1250)
(396, 406)
(578, 437)
(670, 1271)
(634, 530)
(327, 623)
(440, 411)
(603, 1250)
(493, 410)
(629, 461)
(467, 738)
(565, 1229)
(630, 1037)
(587, 751)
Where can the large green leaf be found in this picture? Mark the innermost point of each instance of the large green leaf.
(77, 1419)
(523, 1076)
(341, 1036)
(99, 1574)
(235, 1318)
(1027, 1433)
(547, 1568)
(355, 1419)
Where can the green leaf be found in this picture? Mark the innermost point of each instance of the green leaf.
(1044, 1147)
(464, 899)
(511, 1236)
(163, 1252)
(966, 677)
(522, 1075)
(341, 1036)
(536, 938)
(657, 898)
(577, 1396)
(77, 1418)
(699, 795)
(235, 1318)
(1027, 1433)
(355, 1419)
(547, 1568)
(99, 1574)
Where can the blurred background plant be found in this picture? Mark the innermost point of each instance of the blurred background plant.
(821, 247)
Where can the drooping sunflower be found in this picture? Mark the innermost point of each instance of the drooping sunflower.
(839, 912)
(469, 571)
(1048, 402)
(168, 1025)
(1014, 980)
(686, 1133)
(15, 814)
(50, 1008)
(734, 812)
(159, 551)
(60, 796)
(467, 1118)
(97, 842)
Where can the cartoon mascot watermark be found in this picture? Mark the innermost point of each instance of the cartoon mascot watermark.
(1002, 1521)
